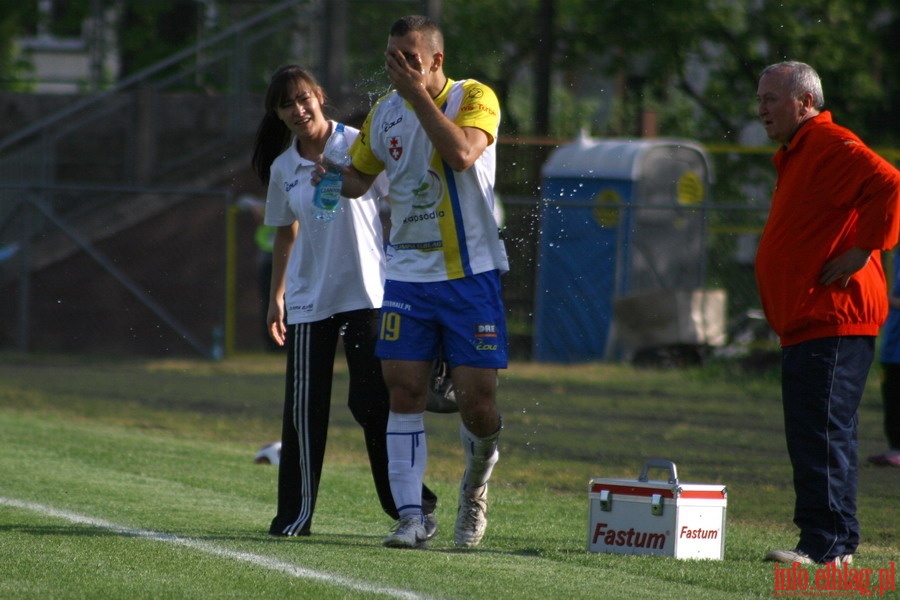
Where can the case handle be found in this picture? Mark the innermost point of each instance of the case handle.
(659, 463)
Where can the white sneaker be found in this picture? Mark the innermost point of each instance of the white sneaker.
(789, 557)
(471, 518)
(430, 526)
(408, 532)
(799, 556)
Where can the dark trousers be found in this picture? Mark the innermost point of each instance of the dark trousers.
(890, 394)
(822, 385)
(307, 405)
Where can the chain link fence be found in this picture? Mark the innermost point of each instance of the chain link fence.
(735, 215)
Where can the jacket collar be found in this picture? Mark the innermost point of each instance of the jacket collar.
(806, 126)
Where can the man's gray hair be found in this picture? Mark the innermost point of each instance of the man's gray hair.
(803, 79)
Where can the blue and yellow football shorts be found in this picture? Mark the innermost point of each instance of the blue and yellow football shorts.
(461, 320)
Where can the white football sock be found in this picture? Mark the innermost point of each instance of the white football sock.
(481, 456)
(407, 457)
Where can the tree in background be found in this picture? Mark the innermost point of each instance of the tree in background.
(151, 31)
(695, 63)
(18, 19)
(13, 69)
(560, 66)
(701, 58)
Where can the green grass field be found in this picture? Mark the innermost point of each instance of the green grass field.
(134, 479)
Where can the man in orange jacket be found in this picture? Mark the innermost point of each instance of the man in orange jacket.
(836, 206)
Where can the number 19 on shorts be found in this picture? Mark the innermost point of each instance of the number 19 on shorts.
(390, 327)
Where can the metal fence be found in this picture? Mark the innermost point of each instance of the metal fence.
(149, 289)
(161, 280)
(89, 192)
(734, 218)
(168, 150)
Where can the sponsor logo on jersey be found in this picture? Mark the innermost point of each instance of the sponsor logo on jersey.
(390, 124)
(423, 217)
(486, 337)
(404, 306)
(429, 191)
(479, 107)
(421, 246)
(304, 308)
(486, 330)
(288, 186)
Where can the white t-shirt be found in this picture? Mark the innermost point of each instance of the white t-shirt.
(334, 266)
(442, 221)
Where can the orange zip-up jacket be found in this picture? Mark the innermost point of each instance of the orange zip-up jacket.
(832, 193)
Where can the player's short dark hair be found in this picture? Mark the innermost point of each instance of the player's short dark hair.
(430, 30)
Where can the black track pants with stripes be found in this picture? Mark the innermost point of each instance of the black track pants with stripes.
(311, 350)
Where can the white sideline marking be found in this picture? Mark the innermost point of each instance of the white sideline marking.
(256, 559)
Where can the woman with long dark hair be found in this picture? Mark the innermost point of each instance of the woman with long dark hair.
(327, 285)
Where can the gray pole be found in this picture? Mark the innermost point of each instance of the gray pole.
(334, 51)
(544, 65)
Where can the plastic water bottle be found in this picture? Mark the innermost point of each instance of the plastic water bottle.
(328, 192)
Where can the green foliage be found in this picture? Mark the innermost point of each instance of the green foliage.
(68, 17)
(13, 68)
(695, 63)
(367, 34)
(151, 31)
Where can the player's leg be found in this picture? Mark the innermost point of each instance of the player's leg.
(479, 433)
(369, 402)
(407, 345)
(475, 343)
(407, 450)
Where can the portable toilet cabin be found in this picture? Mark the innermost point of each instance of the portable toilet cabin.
(618, 217)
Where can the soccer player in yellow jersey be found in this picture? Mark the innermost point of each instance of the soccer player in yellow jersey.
(436, 140)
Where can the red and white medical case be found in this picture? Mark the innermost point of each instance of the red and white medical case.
(666, 518)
